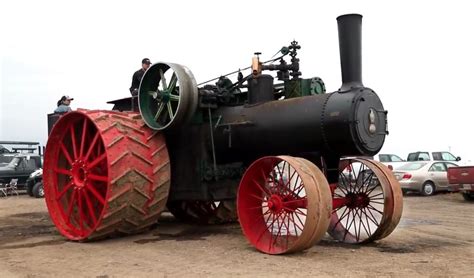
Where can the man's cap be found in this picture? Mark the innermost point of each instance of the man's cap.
(146, 61)
(66, 97)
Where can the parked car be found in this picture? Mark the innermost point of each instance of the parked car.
(6, 158)
(463, 177)
(391, 160)
(438, 156)
(383, 157)
(20, 167)
(4, 150)
(425, 177)
(34, 184)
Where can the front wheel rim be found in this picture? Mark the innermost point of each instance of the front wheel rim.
(428, 189)
(280, 207)
(367, 202)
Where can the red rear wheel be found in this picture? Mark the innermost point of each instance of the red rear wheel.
(104, 172)
(280, 205)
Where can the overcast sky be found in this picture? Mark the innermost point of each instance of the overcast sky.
(417, 55)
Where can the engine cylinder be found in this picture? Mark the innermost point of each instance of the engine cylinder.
(260, 89)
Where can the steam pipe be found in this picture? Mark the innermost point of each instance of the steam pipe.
(349, 28)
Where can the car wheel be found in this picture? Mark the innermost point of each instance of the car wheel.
(428, 189)
(38, 190)
(29, 189)
(468, 196)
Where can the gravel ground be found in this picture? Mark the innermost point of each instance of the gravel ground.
(434, 238)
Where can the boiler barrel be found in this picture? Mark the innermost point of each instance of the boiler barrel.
(350, 123)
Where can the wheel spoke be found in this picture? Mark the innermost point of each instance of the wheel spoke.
(371, 207)
(347, 227)
(288, 229)
(362, 222)
(371, 189)
(372, 217)
(62, 171)
(91, 146)
(163, 80)
(98, 150)
(97, 177)
(258, 207)
(367, 181)
(71, 204)
(367, 220)
(299, 188)
(336, 209)
(267, 227)
(83, 138)
(73, 141)
(94, 192)
(296, 226)
(360, 226)
(81, 213)
(271, 231)
(90, 208)
(355, 177)
(170, 110)
(372, 196)
(297, 210)
(299, 219)
(289, 180)
(160, 109)
(301, 201)
(65, 152)
(257, 197)
(343, 215)
(279, 226)
(96, 161)
(172, 84)
(338, 195)
(65, 189)
(343, 186)
(267, 194)
(174, 97)
(280, 175)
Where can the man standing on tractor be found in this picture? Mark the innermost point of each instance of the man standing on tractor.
(137, 76)
(64, 105)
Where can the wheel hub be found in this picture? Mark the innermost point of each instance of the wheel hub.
(275, 204)
(357, 200)
(164, 96)
(79, 173)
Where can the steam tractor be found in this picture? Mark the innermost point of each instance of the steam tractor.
(283, 157)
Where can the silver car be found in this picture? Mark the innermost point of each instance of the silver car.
(425, 177)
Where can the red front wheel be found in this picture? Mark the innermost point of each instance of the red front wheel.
(284, 204)
(367, 202)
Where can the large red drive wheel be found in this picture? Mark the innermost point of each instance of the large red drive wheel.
(367, 202)
(105, 172)
(284, 204)
(204, 212)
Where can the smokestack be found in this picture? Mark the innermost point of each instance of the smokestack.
(349, 27)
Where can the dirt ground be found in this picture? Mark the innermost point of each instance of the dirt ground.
(434, 238)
